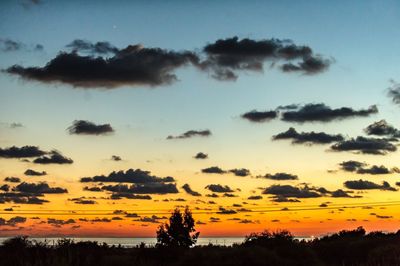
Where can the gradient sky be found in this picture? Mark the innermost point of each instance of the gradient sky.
(359, 38)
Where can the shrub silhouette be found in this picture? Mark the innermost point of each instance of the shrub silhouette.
(179, 232)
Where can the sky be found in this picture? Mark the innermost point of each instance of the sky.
(256, 115)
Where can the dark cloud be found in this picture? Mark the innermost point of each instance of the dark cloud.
(365, 145)
(12, 179)
(131, 66)
(257, 116)
(213, 170)
(21, 198)
(23, 152)
(34, 173)
(394, 93)
(189, 190)
(218, 188)
(152, 219)
(340, 194)
(366, 185)
(130, 176)
(201, 155)
(361, 168)
(309, 65)
(79, 45)
(39, 188)
(59, 222)
(240, 172)
(5, 187)
(120, 195)
(192, 133)
(54, 158)
(222, 210)
(308, 137)
(83, 201)
(322, 113)
(281, 176)
(116, 158)
(288, 191)
(226, 57)
(351, 166)
(93, 189)
(83, 127)
(144, 188)
(14, 221)
(8, 45)
(382, 128)
(255, 197)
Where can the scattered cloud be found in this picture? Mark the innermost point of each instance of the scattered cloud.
(321, 113)
(240, 171)
(201, 156)
(85, 46)
(23, 152)
(188, 189)
(367, 185)
(137, 176)
(218, 188)
(213, 170)
(377, 146)
(83, 127)
(382, 128)
(258, 117)
(39, 188)
(308, 137)
(54, 158)
(281, 176)
(31, 172)
(191, 133)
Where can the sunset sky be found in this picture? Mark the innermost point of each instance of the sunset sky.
(257, 115)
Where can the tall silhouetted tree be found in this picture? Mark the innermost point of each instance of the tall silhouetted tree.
(179, 232)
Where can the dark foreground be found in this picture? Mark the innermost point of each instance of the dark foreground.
(344, 248)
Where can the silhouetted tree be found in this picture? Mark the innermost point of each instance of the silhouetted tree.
(179, 232)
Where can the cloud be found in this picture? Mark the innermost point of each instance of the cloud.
(116, 158)
(14, 221)
(394, 93)
(137, 176)
(39, 188)
(21, 198)
(59, 222)
(189, 190)
(144, 188)
(152, 219)
(83, 201)
(255, 197)
(132, 66)
(191, 133)
(258, 117)
(218, 188)
(8, 45)
(226, 57)
(281, 176)
(367, 185)
(361, 168)
(322, 113)
(240, 172)
(341, 194)
(54, 158)
(201, 156)
(5, 187)
(31, 172)
(12, 179)
(288, 191)
(213, 170)
(83, 127)
(382, 128)
(365, 145)
(79, 45)
(120, 195)
(23, 152)
(308, 137)
(309, 65)
(222, 210)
